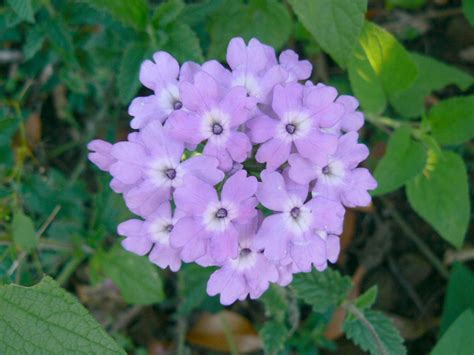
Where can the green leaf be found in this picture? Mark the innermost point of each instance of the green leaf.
(365, 83)
(452, 120)
(183, 43)
(459, 295)
(23, 9)
(167, 12)
(267, 20)
(358, 331)
(34, 41)
(442, 199)
(336, 24)
(433, 75)
(406, 4)
(132, 13)
(45, 319)
(367, 299)
(135, 276)
(23, 231)
(273, 335)
(403, 160)
(127, 80)
(60, 37)
(468, 8)
(275, 301)
(322, 289)
(389, 60)
(458, 339)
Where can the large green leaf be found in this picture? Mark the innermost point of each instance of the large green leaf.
(468, 8)
(167, 12)
(23, 9)
(273, 335)
(336, 24)
(133, 13)
(275, 301)
(45, 319)
(135, 276)
(452, 120)
(459, 296)
(389, 60)
(432, 75)
(266, 20)
(322, 290)
(403, 160)
(34, 41)
(127, 80)
(23, 231)
(458, 339)
(183, 43)
(442, 198)
(358, 331)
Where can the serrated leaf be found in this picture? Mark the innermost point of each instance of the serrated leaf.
(135, 276)
(433, 75)
(442, 198)
(127, 79)
(266, 20)
(359, 333)
(458, 339)
(34, 41)
(167, 12)
(335, 24)
(459, 295)
(468, 8)
(367, 299)
(403, 160)
(275, 301)
(45, 319)
(452, 120)
(322, 290)
(23, 9)
(389, 60)
(23, 232)
(273, 335)
(60, 37)
(183, 43)
(133, 13)
(365, 83)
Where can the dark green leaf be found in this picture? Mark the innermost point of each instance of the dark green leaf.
(452, 120)
(34, 41)
(406, 4)
(45, 319)
(133, 13)
(167, 12)
(433, 75)
(459, 296)
(23, 232)
(389, 60)
(403, 160)
(273, 335)
(127, 80)
(275, 301)
(468, 8)
(367, 299)
(266, 20)
(322, 289)
(135, 276)
(458, 338)
(183, 43)
(336, 24)
(23, 9)
(442, 198)
(358, 331)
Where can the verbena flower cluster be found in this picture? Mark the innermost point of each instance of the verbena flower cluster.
(243, 167)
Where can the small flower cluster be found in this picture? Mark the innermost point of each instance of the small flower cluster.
(241, 167)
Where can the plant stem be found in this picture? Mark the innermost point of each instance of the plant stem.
(361, 317)
(229, 336)
(70, 268)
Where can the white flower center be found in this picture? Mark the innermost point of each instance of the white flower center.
(246, 260)
(333, 174)
(165, 173)
(250, 83)
(160, 230)
(297, 216)
(218, 215)
(293, 126)
(169, 99)
(215, 126)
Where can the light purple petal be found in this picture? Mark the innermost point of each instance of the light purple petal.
(225, 245)
(159, 142)
(295, 188)
(330, 115)
(221, 153)
(237, 105)
(252, 58)
(272, 237)
(194, 196)
(229, 283)
(355, 192)
(317, 146)
(165, 256)
(184, 127)
(165, 69)
(100, 154)
(273, 152)
(350, 152)
(262, 128)
(238, 146)
(145, 109)
(204, 168)
(272, 191)
(302, 170)
(319, 97)
(287, 98)
(239, 187)
(333, 247)
(328, 215)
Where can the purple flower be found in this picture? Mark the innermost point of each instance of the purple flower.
(153, 233)
(210, 116)
(297, 69)
(299, 114)
(339, 179)
(289, 234)
(210, 221)
(250, 273)
(155, 168)
(161, 76)
(253, 67)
